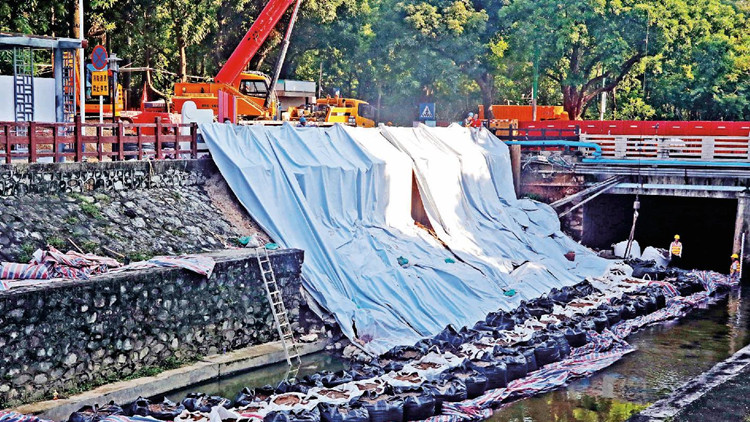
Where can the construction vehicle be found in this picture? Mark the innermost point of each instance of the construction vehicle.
(331, 110)
(242, 95)
(237, 94)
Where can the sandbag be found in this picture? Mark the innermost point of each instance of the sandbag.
(614, 315)
(336, 378)
(199, 402)
(530, 356)
(417, 408)
(515, 366)
(601, 322)
(312, 415)
(452, 390)
(495, 371)
(96, 413)
(584, 289)
(250, 395)
(139, 407)
(501, 320)
(659, 298)
(475, 382)
(292, 386)
(547, 352)
(650, 304)
(346, 413)
(559, 338)
(362, 372)
(628, 311)
(640, 307)
(166, 410)
(386, 410)
(576, 337)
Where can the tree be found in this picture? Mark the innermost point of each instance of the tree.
(191, 22)
(586, 46)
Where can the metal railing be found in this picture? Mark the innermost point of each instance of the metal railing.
(688, 148)
(34, 141)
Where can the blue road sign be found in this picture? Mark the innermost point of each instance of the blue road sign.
(99, 57)
(426, 111)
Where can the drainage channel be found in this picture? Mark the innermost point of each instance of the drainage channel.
(667, 356)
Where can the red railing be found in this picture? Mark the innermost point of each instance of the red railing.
(32, 141)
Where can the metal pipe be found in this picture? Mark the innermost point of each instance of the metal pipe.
(560, 143)
(81, 68)
(634, 162)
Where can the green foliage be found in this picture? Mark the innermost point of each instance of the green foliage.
(27, 251)
(56, 242)
(91, 210)
(458, 53)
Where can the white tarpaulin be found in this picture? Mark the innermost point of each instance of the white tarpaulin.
(343, 195)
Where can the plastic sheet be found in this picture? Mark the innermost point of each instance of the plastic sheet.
(344, 196)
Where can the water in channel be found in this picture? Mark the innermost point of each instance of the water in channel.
(667, 356)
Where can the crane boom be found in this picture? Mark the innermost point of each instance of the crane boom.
(252, 41)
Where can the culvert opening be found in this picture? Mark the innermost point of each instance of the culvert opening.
(705, 225)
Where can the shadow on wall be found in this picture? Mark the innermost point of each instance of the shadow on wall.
(705, 225)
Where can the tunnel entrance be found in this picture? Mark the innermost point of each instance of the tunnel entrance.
(705, 225)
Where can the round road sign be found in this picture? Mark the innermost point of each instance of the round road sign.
(99, 57)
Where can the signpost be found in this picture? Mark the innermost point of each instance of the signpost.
(427, 113)
(100, 79)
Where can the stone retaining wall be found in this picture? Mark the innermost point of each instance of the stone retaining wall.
(68, 336)
(128, 208)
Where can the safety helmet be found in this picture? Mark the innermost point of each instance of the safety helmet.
(471, 114)
(735, 256)
(677, 237)
(302, 119)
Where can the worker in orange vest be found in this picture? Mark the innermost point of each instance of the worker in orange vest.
(675, 252)
(734, 269)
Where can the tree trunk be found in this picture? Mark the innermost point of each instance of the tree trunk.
(572, 101)
(183, 59)
(486, 84)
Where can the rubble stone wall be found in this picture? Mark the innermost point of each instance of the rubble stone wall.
(69, 336)
(128, 208)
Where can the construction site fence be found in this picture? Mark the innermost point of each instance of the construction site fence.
(33, 142)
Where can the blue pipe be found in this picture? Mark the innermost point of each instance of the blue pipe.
(635, 161)
(596, 147)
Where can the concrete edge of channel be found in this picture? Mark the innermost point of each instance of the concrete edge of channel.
(669, 407)
(210, 367)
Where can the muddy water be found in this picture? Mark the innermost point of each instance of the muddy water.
(667, 356)
(271, 374)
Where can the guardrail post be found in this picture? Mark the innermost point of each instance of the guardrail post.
(6, 133)
(120, 145)
(79, 140)
(708, 146)
(32, 142)
(140, 142)
(157, 139)
(193, 140)
(621, 146)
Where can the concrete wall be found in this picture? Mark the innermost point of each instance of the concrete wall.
(69, 335)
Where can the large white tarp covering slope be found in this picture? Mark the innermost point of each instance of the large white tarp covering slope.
(343, 195)
(465, 181)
